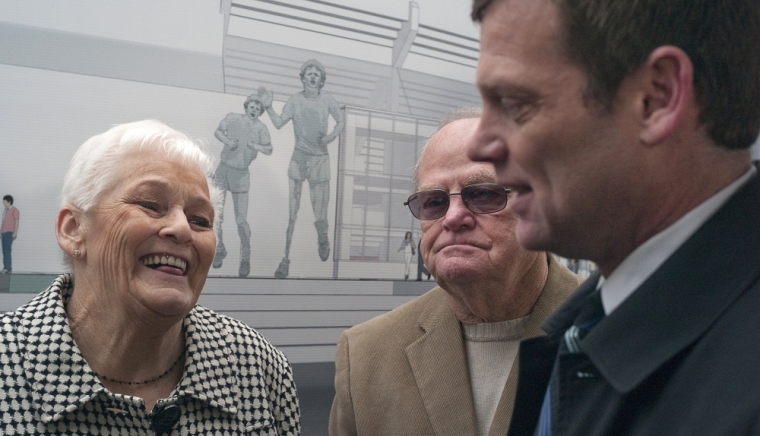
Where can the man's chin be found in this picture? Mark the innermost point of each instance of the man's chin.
(531, 236)
(460, 272)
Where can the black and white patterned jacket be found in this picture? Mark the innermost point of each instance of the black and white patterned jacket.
(234, 381)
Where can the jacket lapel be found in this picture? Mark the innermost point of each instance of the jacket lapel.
(444, 383)
(684, 297)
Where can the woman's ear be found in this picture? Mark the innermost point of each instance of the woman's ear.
(70, 232)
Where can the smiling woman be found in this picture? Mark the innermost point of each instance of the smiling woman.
(119, 341)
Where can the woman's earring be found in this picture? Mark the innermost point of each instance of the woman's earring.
(77, 253)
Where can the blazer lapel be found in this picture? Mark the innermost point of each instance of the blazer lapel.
(439, 365)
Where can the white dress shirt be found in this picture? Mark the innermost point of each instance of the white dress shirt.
(645, 259)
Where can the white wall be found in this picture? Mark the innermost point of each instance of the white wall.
(192, 25)
(48, 114)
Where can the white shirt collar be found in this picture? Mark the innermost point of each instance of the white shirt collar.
(645, 260)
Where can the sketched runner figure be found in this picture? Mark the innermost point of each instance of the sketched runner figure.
(309, 110)
(243, 136)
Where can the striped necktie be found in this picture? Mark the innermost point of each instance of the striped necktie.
(589, 315)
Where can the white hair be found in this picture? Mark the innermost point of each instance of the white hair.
(94, 167)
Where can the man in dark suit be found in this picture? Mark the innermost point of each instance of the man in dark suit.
(624, 128)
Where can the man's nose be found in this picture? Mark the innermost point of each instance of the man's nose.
(485, 145)
(458, 215)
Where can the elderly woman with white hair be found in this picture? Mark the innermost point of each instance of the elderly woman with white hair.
(118, 346)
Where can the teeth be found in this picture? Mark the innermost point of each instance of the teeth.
(165, 260)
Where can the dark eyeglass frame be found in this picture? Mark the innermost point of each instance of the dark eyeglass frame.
(467, 198)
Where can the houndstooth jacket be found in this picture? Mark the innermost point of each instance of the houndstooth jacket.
(234, 381)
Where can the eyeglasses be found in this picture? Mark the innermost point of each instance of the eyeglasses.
(481, 198)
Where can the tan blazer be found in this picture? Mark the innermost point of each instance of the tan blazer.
(405, 372)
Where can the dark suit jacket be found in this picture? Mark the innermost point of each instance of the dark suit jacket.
(405, 372)
(681, 356)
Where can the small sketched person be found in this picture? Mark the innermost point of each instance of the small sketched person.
(9, 231)
(243, 136)
(309, 110)
(421, 268)
(407, 245)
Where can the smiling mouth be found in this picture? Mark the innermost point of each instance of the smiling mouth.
(165, 263)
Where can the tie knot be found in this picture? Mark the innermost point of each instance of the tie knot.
(591, 312)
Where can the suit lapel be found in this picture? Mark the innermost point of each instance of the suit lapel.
(439, 365)
(684, 297)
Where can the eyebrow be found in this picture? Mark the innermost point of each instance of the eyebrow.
(479, 177)
(154, 184)
(494, 86)
(159, 184)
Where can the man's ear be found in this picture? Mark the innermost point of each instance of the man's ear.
(69, 231)
(667, 85)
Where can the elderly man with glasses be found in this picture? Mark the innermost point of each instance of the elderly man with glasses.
(445, 363)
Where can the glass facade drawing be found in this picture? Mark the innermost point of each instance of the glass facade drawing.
(378, 152)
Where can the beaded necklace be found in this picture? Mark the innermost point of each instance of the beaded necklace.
(144, 382)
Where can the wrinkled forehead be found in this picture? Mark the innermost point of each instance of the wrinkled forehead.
(456, 178)
(444, 163)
